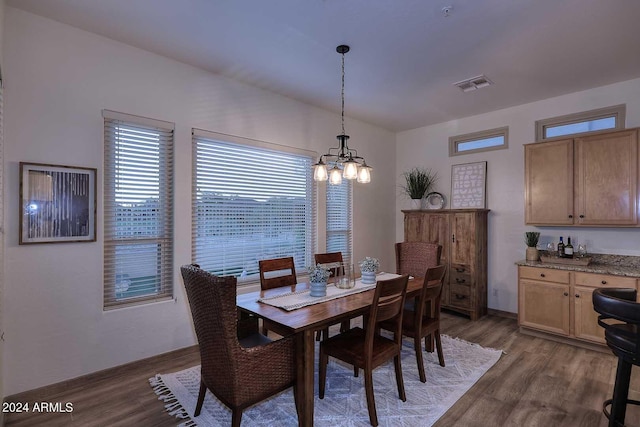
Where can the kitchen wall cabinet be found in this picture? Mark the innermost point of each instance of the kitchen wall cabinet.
(559, 301)
(584, 181)
(463, 236)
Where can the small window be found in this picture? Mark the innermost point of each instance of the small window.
(610, 118)
(339, 224)
(492, 139)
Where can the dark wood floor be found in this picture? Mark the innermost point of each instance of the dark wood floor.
(536, 382)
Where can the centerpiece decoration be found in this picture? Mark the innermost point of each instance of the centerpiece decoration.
(368, 268)
(531, 239)
(418, 183)
(318, 276)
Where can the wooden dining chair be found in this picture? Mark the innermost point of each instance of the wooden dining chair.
(283, 274)
(364, 348)
(239, 371)
(331, 258)
(422, 319)
(413, 258)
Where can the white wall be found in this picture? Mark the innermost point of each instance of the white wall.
(428, 147)
(58, 80)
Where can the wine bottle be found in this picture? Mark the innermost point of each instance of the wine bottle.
(560, 248)
(568, 249)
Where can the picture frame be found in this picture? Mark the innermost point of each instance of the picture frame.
(57, 203)
(469, 185)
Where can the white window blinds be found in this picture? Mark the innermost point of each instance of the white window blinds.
(251, 201)
(339, 213)
(138, 209)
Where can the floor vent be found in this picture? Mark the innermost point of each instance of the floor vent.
(473, 83)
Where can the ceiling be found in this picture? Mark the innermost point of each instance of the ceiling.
(405, 54)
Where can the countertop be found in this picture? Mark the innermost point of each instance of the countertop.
(615, 265)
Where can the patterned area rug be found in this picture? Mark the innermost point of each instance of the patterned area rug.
(345, 402)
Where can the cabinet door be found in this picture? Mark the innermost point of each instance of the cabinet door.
(549, 183)
(607, 178)
(544, 306)
(463, 238)
(412, 227)
(586, 318)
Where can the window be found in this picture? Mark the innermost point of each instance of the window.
(492, 139)
(251, 200)
(339, 218)
(612, 118)
(138, 209)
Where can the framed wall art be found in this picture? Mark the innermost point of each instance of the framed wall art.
(468, 185)
(57, 203)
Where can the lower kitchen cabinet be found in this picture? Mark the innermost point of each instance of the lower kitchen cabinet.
(559, 301)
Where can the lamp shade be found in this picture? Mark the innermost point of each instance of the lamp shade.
(335, 176)
(350, 169)
(364, 174)
(320, 171)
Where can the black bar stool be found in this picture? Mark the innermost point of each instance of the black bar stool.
(624, 340)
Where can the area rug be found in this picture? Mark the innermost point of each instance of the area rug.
(345, 402)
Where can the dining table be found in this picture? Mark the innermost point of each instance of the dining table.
(304, 321)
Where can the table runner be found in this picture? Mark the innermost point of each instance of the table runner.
(293, 300)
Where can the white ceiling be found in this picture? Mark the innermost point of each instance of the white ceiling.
(405, 54)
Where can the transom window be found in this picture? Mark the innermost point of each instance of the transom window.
(486, 140)
(252, 200)
(612, 118)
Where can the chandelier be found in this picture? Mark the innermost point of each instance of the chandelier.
(343, 161)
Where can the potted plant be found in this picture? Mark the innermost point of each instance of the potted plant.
(318, 276)
(531, 239)
(417, 184)
(368, 268)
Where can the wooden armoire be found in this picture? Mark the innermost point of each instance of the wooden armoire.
(463, 236)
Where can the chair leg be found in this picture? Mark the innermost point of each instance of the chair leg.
(345, 326)
(201, 393)
(620, 393)
(428, 343)
(236, 417)
(319, 335)
(297, 399)
(417, 345)
(371, 402)
(439, 347)
(323, 359)
(399, 379)
(356, 371)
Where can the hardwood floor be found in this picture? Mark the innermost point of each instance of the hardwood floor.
(536, 382)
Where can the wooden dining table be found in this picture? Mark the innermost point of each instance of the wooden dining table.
(304, 322)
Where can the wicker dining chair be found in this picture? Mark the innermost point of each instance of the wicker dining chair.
(366, 349)
(413, 258)
(276, 281)
(239, 372)
(422, 319)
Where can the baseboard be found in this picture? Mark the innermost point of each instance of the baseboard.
(52, 389)
(500, 313)
(602, 348)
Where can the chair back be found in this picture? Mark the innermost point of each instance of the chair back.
(619, 304)
(212, 300)
(413, 258)
(431, 292)
(273, 265)
(388, 303)
(331, 258)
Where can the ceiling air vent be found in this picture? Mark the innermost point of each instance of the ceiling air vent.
(473, 83)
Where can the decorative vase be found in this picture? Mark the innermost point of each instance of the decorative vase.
(419, 204)
(532, 254)
(318, 289)
(368, 277)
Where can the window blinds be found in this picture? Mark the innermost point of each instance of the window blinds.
(138, 209)
(339, 213)
(251, 201)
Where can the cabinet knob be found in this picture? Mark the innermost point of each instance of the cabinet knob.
(570, 216)
(460, 270)
(453, 238)
(458, 280)
(458, 296)
(604, 282)
(581, 216)
(566, 294)
(542, 275)
(577, 295)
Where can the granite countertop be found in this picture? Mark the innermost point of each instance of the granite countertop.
(615, 265)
